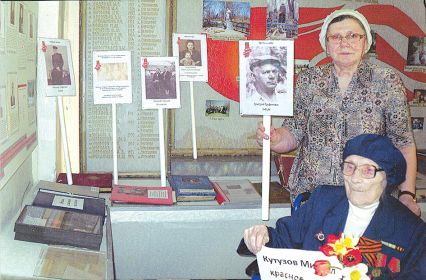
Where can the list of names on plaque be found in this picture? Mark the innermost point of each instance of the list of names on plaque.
(138, 26)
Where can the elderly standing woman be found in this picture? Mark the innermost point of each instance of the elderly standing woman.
(362, 208)
(339, 100)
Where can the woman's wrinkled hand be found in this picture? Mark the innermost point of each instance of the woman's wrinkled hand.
(255, 237)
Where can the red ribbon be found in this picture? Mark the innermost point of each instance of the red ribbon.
(43, 46)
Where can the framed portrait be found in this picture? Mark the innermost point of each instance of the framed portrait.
(112, 77)
(266, 77)
(160, 82)
(191, 49)
(55, 71)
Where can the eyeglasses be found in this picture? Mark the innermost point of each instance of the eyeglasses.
(367, 171)
(351, 38)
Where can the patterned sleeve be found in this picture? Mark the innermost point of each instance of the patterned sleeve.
(297, 124)
(398, 120)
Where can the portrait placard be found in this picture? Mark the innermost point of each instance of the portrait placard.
(55, 71)
(279, 263)
(160, 82)
(191, 49)
(266, 77)
(112, 77)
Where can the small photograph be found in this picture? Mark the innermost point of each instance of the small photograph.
(189, 53)
(21, 18)
(13, 89)
(417, 123)
(217, 108)
(31, 92)
(191, 49)
(226, 20)
(419, 98)
(416, 51)
(12, 13)
(372, 50)
(282, 19)
(57, 66)
(1, 19)
(31, 25)
(160, 82)
(266, 77)
(115, 71)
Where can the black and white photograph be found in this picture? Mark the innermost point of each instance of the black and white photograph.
(31, 25)
(266, 77)
(416, 55)
(226, 20)
(12, 12)
(55, 71)
(217, 108)
(57, 65)
(112, 77)
(191, 49)
(31, 92)
(417, 123)
(21, 18)
(1, 19)
(160, 82)
(282, 19)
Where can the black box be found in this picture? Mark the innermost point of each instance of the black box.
(59, 227)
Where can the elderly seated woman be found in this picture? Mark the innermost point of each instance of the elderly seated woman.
(392, 239)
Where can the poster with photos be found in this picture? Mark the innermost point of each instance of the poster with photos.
(282, 19)
(160, 82)
(55, 72)
(191, 50)
(112, 77)
(12, 102)
(266, 77)
(3, 120)
(226, 20)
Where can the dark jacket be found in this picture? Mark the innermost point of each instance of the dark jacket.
(326, 211)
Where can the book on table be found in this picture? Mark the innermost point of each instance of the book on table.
(239, 191)
(71, 202)
(71, 189)
(122, 194)
(192, 187)
(59, 227)
(103, 181)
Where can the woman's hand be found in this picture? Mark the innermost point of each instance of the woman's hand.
(255, 237)
(274, 135)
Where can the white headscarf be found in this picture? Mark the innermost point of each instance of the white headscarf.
(335, 14)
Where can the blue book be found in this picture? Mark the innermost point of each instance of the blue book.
(192, 186)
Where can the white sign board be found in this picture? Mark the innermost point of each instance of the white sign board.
(55, 72)
(112, 77)
(266, 77)
(191, 49)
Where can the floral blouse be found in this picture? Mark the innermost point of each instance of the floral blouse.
(324, 119)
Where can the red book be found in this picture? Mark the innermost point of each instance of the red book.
(103, 181)
(142, 195)
(221, 198)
